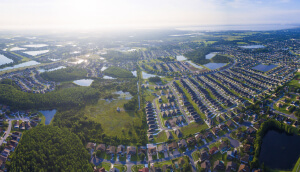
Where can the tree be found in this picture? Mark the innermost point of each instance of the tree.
(48, 148)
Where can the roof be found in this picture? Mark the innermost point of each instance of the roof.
(213, 150)
(90, 145)
(244, 168)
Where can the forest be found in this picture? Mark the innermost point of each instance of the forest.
(118, 72)
(67, 97)
(48, 148)
(198, 55)
(155, 79)
(66, 74)
(220, 59)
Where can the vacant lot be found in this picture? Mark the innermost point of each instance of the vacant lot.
(114, 123)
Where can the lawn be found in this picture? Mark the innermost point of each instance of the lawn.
(195, 155)
(294, 82)
(136, 168)
(297, 166)
(105, 165)
(121, 167)
(193, 128)
(114, 123)
(161, 137)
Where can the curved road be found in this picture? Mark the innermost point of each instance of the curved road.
(7, 132)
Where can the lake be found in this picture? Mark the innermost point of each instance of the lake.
(35, 53)
(147, 75)
(49, 114)
(17, 49)
(252, 46)
(123, 95)
(36, 45)
(213, 66)
(264, 68)
(4, 60)
(182, 58)
(25, 64)
(83, 82)
(279, 150)
(210, 55)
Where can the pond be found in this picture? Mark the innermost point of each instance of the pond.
(83, 82)
(134, 73)
(49, 114)
(35, 53)
(108, 77)
(213, 66)
(147, 75)
(25, 64)
(252, 46)
(279, 150)
(210, 55)
(103, 68)
(17, 49)
(78, 61)
(195, 65)
(264, 68)
(181, 58)
(49, 70)
(123, 95)
(4, 60)
(36, 45)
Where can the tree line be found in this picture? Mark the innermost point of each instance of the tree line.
(271, 124)
(65, 74)
(48, 148)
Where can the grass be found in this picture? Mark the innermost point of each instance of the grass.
(136, 168)
(121, 167)
(193, 128)
(195, 155)
(161, 164)
(297, 166)
(148, 95)
(215, 157)
(294, 82)
(161, 155)
(43, 118)
(113, 123)
(122, 158)
(161, 137)
(105, 165)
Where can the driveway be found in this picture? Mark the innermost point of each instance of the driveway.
(166, 154)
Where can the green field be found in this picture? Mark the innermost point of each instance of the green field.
(295, 82)
(161, 137)
(113, 122)
(193, 128)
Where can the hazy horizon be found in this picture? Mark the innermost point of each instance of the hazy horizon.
(117, 14)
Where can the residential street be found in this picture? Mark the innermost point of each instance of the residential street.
(6, 132)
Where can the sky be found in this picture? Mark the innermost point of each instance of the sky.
(127, 14)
